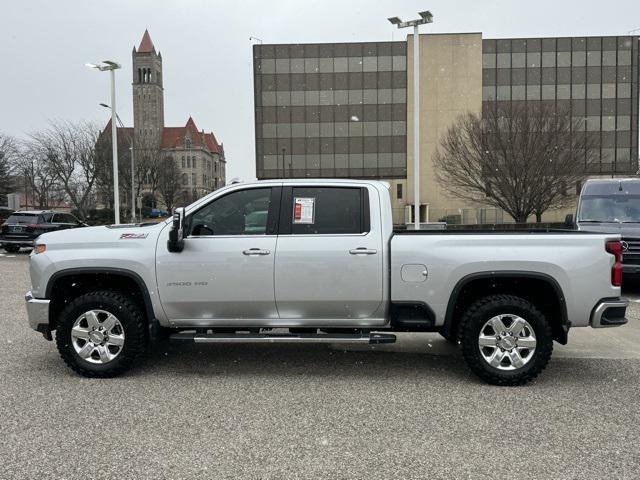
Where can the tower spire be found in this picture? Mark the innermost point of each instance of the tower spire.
(146, 45)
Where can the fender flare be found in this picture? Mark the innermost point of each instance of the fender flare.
(453, 298)
(146, 298)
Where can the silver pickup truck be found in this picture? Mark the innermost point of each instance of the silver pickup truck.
(317, 261)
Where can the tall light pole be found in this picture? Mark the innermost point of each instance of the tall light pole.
(133, 193)
(109, 66)
(425, 17)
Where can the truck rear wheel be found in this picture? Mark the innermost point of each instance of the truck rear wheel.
(101, 334)
(505, 340)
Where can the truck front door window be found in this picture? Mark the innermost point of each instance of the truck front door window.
(244, 212)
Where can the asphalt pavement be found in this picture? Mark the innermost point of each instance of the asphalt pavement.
(409, 410)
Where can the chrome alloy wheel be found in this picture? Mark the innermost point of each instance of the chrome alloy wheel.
(97, 336)
(507, 342)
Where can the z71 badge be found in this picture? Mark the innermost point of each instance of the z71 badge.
(133, 236)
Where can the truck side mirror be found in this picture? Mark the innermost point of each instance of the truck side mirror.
(568, 221)
(176, 234)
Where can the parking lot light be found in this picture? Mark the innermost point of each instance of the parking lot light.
(111, 66)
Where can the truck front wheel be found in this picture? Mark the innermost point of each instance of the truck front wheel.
(101, 334)
(505, 340)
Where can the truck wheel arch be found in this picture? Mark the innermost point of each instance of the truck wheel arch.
(479, 284)
(100, 277)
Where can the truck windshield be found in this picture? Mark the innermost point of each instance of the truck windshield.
(610, 209)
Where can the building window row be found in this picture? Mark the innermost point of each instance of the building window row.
(335, 97)
(552, 76)
(578, 91)
(557, 44)
(334, 129)
(330, 50)
(330, 161)
(607, 123)
(331, 113)
(331, 81)
(610, 58)
(189, 161)
(301, 146)
(330, 65)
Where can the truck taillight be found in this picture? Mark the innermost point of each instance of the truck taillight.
(615, 249)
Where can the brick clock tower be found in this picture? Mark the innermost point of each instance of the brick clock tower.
(199, 158)
(148, 94)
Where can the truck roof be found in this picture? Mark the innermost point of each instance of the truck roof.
(612, 186)
(315, 180)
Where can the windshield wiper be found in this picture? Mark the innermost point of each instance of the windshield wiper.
(594, 221)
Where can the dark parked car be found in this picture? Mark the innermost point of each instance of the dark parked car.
(22, 228)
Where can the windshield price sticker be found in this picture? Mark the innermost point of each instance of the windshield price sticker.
(304, 210)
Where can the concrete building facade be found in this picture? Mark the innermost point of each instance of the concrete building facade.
(321, 110)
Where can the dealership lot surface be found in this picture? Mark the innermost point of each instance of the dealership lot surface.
(409, 410)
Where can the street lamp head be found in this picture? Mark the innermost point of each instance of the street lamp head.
(104, 66)
(105, 105)
(427, 16)
(395, 20)
(111, 65)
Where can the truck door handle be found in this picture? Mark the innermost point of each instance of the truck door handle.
(363, 251)
(255, 251)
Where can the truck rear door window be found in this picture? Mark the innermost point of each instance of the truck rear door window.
(326, 210)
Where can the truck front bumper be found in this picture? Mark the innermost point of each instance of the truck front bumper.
(38, 314)
(609, 313)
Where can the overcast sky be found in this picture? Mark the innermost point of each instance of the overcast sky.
(206, 52)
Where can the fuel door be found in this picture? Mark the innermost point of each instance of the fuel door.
(414, 272)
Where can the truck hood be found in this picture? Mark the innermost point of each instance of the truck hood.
(624, 229)
(111, 236)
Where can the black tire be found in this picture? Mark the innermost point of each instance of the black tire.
(475, 318)
(12, 248)
(133, 323)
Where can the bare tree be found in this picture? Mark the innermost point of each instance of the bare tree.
(70, 152)
(147, 167)
(40, 182)
(104, 173)
(8, 166)
(169, 182)
(519, 157)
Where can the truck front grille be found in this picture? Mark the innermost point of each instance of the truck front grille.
(631, 256)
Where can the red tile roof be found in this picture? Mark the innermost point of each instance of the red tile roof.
(173, 137)
(146, 45)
